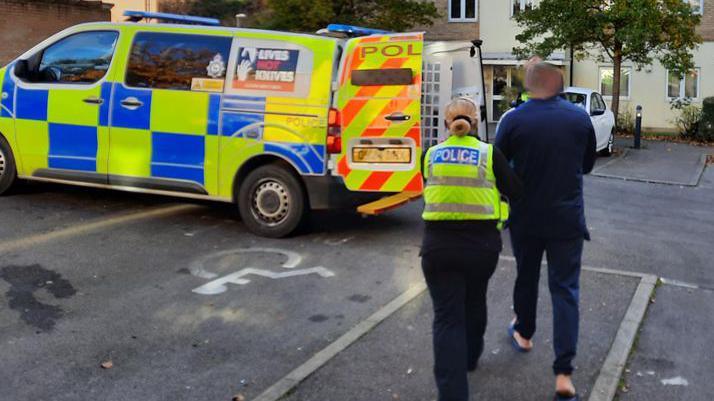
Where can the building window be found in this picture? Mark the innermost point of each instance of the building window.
(606, 78)
(697, 6)
(518, 6)
(683, 87)
(463, 10)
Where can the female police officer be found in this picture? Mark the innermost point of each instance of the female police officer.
(463, 214)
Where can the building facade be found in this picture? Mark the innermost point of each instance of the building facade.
(653, 87)
(24, 24)
(134, 5)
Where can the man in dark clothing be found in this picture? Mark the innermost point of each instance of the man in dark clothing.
(551, 144)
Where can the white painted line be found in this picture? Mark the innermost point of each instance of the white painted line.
(100, 224)
(678, 283)
(287, 383)
(592, 269)
(230, 257)
(218, 286)
(605, 387)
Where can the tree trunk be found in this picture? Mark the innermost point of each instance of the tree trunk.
(616, 79)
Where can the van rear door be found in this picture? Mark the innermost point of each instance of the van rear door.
(379, 102)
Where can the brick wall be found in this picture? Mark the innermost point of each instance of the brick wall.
(23, 24)
(707, 27)
(445, 30)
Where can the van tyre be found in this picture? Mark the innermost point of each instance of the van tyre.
(607, 152)
(8, 170)
(272, 202)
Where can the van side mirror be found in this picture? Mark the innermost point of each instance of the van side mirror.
(22, 69)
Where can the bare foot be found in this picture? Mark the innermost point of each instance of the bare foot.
(564, 385)
(522, 342)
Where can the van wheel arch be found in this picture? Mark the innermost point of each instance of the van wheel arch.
(259, 161)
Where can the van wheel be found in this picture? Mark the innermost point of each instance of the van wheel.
(610, 144)
(271, 202)
(8, 171)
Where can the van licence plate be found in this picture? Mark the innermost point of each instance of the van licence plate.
(389, 155)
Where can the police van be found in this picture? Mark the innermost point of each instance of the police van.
(278, 123)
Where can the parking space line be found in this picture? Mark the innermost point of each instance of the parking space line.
(292, 379)
(608, 379)
(606, 383)
(99, 224)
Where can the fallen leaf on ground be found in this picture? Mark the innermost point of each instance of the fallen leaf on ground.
(107, 365)
(238, 397)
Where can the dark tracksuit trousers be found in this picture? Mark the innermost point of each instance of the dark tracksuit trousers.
(564, 262)
(458, 283)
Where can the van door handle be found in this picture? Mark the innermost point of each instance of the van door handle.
(398, 117)
(93, 100)
(131, 103)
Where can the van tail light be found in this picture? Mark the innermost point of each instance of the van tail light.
(334, 132)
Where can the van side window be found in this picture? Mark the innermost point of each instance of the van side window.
(82, 58)
(176, 61)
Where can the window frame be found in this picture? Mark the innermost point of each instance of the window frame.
(701, 6)
(629, 82)
(462, 8)
(523, 4)
(133, 43)
(39, 51)
(683, 86)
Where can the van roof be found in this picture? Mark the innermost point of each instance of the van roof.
(200, 28)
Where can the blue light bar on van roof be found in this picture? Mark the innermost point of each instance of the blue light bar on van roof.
(137, 16)
(354, 30)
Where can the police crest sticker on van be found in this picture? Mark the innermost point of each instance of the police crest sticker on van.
(266, 69)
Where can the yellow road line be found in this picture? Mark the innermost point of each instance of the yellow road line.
(27, 242)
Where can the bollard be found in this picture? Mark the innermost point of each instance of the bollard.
(638, 126)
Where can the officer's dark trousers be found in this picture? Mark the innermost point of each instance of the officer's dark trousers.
(458, 281)
(564, 260)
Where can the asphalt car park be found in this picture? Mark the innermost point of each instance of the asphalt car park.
(187, 305)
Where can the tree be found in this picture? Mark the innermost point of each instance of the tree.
(311, 15)
(621, 30)
(225, 10)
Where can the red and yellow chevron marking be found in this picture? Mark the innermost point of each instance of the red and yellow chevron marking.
(363, 108)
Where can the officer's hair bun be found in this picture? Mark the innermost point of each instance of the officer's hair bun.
(459, 127)
(461, 115)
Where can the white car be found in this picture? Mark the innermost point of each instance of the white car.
(602, 118)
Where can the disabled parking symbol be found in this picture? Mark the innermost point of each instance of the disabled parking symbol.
(219, 285)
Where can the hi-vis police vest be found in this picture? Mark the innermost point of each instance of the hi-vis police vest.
(461, 184)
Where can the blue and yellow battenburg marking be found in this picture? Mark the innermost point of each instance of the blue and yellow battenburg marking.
(202, 135)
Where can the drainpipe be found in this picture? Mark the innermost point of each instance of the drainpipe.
(572, 65)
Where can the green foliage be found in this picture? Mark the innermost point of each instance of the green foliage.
(626, 122)
(680, 103)
(687, 121)
(706, 126)
(311, 15)
(638, 31)
(225, 10)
